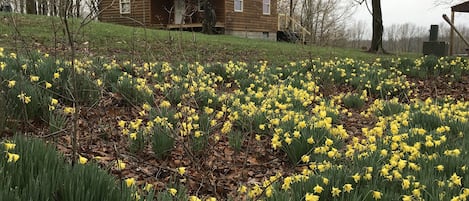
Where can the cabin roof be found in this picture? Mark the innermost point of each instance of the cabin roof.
(462, 7)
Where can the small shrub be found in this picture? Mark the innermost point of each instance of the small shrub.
(137, 141)
(57, 121)
(425, 120)
(353, 101)
(391, 108)
(236, 139)
(199, 141)
(162, 141)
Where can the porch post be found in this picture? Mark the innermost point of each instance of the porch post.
(451, 35)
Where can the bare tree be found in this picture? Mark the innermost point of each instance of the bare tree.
(325, 19)
(377, 36)
(356, 33)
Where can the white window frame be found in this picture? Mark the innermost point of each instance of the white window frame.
(266, 7)
(121, 6)
(241, 2)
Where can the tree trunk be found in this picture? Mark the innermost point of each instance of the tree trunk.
(31, 7)
(78, 6)
(210, 19)
(377, 39)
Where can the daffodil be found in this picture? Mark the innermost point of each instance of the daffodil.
(11, 84)
(12, 157)
(181, 170)
(130, 182)
(405, 184)
(34, 78)
(148, 187)
(311, 197)
(173, 191)
(120, 165)
(242, 189)
(48, 85)
(455, 179)
(99, 82)
(165, 104)
(54, 101)
(25, 99)
(305, 158)
(121, 124)
(258, 137)
(82, 160)
(194, 198)
(347, 188)
(356, 177)
(133, 136)
(335, 192)
(377, 195)
(318, 189)
(9, 146)
(69, 110)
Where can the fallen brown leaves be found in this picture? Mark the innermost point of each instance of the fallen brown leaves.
(217, 171)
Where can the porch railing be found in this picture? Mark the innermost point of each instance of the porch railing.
(287, 23)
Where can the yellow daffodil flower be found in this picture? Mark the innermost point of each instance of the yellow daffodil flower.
(82, 160)
(130, 182)
(12, 157)
(181, 170)
(173, 191)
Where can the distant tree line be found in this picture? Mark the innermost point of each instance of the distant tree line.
(79, 8)
(405, 37)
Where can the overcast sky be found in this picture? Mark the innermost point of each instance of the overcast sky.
(420, 12)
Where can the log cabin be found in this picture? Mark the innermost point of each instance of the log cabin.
(244, 18)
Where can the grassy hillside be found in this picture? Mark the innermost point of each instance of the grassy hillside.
(95, 38)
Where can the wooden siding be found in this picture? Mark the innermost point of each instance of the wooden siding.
(252, 17)
(156, 13)
(140, 12)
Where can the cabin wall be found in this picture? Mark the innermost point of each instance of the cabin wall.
(140, 12)
(251, 22)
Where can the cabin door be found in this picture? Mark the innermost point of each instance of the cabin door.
(179, 11)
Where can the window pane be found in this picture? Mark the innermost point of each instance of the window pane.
(125, 8)
(238, 5)
(266, 7)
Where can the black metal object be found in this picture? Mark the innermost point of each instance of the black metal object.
(434, 32)
(433, 46)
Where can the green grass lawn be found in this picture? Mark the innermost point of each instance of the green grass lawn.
(104, 39)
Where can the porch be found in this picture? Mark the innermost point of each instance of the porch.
(191, 25)
(185, 14)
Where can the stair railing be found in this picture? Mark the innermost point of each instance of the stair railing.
(284, 21)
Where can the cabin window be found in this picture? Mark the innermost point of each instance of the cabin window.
(238, 5)
(124, 6)
(200, 6)
(266, 7)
